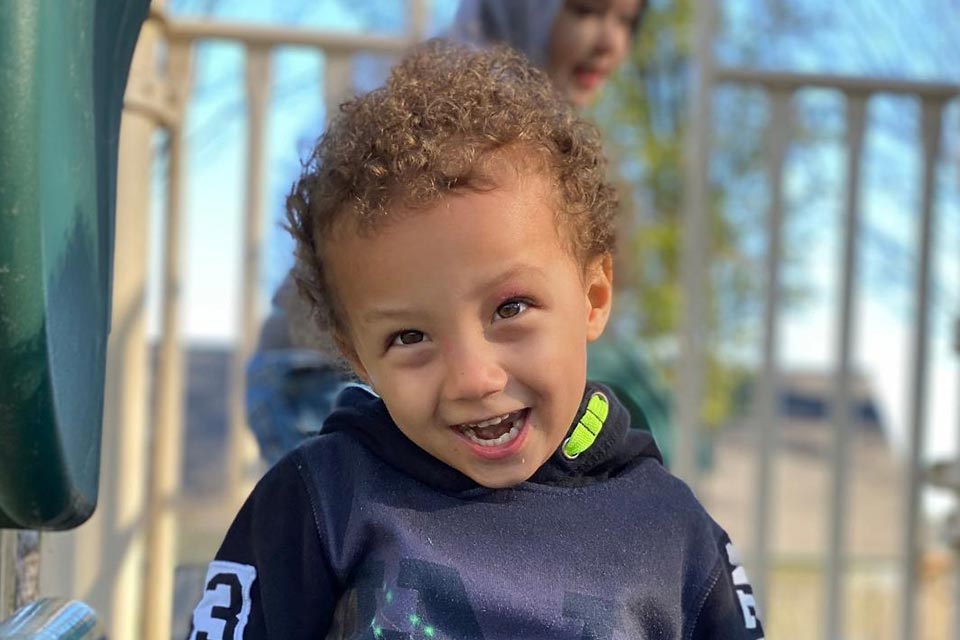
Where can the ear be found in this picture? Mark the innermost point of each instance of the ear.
(349, 353)
(599, 292)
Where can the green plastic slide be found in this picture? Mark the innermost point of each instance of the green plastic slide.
(63, 70)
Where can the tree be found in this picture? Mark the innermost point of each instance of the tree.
(645, 117)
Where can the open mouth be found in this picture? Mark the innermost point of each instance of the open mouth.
(494, 432)
(589, 78)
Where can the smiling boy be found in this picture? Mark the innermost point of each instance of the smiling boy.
(454, 233)
(470, 319)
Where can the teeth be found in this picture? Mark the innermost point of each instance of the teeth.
(515, 423)
(495, 442)
(489, 422)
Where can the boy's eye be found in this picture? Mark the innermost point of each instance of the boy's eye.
(511, 309)
(406, 337)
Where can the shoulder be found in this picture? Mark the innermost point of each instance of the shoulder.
(279, 497)
(330, 459)
(718, 597)
(256, 586)
(667, 497)
(727, 608)
(301, 486)
(664, 503)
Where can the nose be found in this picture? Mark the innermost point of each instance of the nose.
(473, 371)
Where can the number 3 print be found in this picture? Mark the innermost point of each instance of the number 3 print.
(223, 612)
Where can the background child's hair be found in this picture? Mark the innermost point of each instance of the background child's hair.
(445, 112)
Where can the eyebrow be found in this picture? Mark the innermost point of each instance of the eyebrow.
(379, 315)
(395, 315)
(510, 274)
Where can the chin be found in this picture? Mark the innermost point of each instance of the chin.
(585, 99)
(500, 480)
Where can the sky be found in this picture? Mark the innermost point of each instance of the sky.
(899, 39)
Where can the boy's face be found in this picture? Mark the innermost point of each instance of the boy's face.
(471, 320)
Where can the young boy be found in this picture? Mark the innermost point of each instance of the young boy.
(454, 233)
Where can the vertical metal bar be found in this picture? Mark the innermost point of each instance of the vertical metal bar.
(243, 454)
(27, 588)
(419, 10)
(956, 506)
(168, 417)
(695, 251)
(956, 503)
(841, 406)
(768, 387)
(337, 82)
(930, 133)
(8, 571)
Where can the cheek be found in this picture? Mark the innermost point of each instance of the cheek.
(623, 45)
(410, 392)
(558, 351)
(409, 407)
(563, 46)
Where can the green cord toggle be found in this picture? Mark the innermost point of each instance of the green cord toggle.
(589, 426)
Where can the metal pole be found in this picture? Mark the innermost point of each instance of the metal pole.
(836, 563)
(930, 132)
(956, 507)
(166, 452)
(337, 82)
(243, 452)
(419, 11)
(766, 423)
(54, 619)
(956, 500)
(8, 571)
(695, 250)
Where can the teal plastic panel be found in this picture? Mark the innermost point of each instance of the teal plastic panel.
(621, 365)
(63, 70)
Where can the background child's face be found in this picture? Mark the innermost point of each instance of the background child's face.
(588, 41)
(470, 311)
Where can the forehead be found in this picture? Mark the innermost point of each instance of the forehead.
(508, 192)
(514, 174)
(450, 249)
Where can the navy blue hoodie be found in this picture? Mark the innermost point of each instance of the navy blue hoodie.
(359, 533)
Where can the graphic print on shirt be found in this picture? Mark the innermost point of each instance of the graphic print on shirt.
(748, 604)
(599, 616)
(225, 607)
(429, 601)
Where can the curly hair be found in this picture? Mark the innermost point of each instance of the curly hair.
(445, 111)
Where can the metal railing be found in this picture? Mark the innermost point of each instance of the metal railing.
(259, 43)
(53, 619)
(780, 89)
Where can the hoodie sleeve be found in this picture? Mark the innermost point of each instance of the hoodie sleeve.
(270, 578)
(729, 608)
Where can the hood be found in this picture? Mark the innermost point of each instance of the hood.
(523, 24)
(362, 415)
